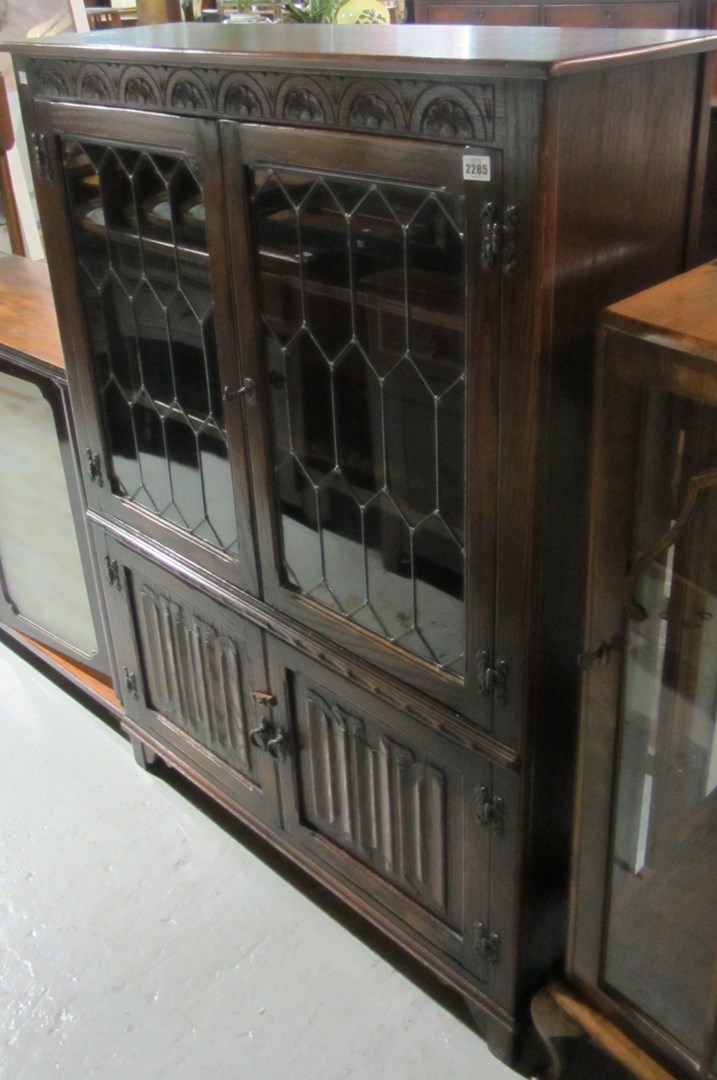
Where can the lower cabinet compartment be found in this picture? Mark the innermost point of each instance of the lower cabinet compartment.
(193, 678)
(387, 804)
(402, 821)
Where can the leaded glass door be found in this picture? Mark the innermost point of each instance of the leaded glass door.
(152, 328)
(375, 332)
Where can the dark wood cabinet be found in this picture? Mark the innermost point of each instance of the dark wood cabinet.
(643, 943)
(621, 14)
(330, 299)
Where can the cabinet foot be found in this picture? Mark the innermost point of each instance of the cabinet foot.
(144, 757)
(557, 1033)
(500, 1037)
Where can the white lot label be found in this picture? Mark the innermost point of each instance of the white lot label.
(476, 167)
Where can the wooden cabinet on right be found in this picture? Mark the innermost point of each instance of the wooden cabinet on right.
(643, 940)
(654, 14)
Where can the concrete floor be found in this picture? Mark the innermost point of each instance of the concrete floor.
(141, 940)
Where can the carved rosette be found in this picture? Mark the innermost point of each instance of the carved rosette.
(187, 92)
(138, 88)
(242, 96)
(53, 82)
(368, 107)
(303, 101)
(448, 112)
(93, 84)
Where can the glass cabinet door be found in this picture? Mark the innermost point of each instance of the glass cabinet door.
(375, 351)
(646, 889)
(661, 943)
(165, 444)
(47, 589)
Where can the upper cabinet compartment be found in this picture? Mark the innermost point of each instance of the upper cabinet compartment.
(364, 313)
(159, 365)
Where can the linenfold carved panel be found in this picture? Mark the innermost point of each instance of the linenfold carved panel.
(375, 798)
(457, 112)
(194, 676)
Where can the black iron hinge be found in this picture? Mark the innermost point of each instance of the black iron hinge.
(492, 677)
(94, 467)
(499, 237)
(487, 945)
(130, 681)
(113, 574)
(490, 810)
(41, 154)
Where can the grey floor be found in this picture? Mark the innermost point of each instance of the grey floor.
(141, 939)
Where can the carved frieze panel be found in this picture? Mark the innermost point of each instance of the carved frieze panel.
(458, 112)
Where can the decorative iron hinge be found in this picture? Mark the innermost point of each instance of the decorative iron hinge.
(499, 238)
(492, 677)
(490, 810)
(94, 467)
(113, 574)
(487, 945)
(41, 154)
(130, 681)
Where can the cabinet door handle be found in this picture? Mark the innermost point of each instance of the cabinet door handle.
(232, 394)
(277, 746)
(260, 736)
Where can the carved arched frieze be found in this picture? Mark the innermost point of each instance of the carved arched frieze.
(94, 84)
(303, 100)
(52, 81)
(187, 92)
(242, 96)
(138, 87)
(449, 112)
(368, 106)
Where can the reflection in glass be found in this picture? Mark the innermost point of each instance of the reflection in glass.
(141, 240)
(40, 559)
(362, 295)
(660, 943)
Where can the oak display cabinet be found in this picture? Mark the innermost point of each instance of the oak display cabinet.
(643, 946)
(329, 294)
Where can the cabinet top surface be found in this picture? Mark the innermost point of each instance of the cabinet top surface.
(543, 51)
(28, 323)
(680, 313)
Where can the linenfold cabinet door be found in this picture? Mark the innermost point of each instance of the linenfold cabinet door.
(396, 810)
(367, 307)
(193, 678)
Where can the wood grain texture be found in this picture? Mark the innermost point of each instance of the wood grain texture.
(614, 1041)
(28, 322)
(547, 51)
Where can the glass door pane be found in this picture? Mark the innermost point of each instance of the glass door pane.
(660, 942)
(139, 225)
(41, 571)
(363, 316)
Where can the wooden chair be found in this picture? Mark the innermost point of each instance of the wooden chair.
(7, 194)
(103, 18)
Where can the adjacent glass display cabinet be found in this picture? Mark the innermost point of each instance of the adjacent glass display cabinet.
(48, 583)
(329, 294)
(643, 929)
